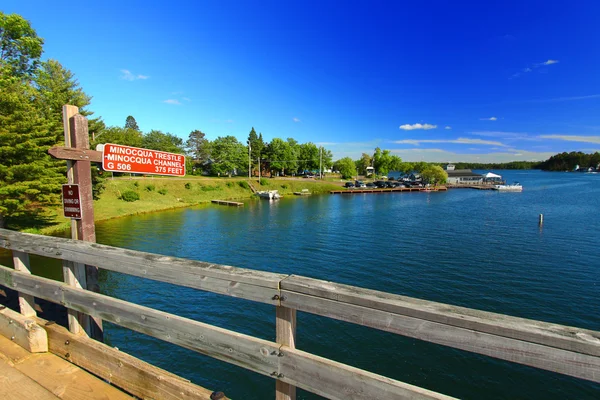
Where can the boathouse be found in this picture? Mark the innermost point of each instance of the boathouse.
(462, 176)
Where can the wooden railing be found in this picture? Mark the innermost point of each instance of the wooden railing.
(563, 349)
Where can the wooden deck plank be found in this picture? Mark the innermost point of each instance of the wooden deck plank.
(66, 380)
(14, 385)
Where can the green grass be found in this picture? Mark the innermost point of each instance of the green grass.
(178, 192)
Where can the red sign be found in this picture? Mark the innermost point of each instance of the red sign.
(117, 158)
(71, 201)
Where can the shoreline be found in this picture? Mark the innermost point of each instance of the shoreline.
(163, 194)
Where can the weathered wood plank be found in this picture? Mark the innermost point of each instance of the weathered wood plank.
(26, 302)
(285, 328)
(74, 275)
(23, 331)
(66, 380)
(237, 282)
(563, 337)
(248, 352)
(120, 369)
(544, 357)
(334, 380)
(251, 353)
(69, 153)
(15, 385)
(86, 230)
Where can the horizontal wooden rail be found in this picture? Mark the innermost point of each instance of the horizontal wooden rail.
(237, 282)
(567, 350)
(319, 375)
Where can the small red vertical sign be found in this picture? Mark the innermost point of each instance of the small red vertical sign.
(71, 201)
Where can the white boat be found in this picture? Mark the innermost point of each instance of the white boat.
(514, 187)
(269, 194)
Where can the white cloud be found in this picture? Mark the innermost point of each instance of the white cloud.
(572, 98)
(573, 138)
(326, 143)
(550, 62)
(488, 119)
(186, 99)
(296, 119)
(440, 155)
(534, 66)
(172, 101)
(408, 127)
(128, 76)
(448, 127)
(417, 142)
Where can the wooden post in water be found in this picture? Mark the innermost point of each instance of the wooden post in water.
(79, 173)
(541, 219)
(285, 326)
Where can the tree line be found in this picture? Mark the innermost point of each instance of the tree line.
(569, 161)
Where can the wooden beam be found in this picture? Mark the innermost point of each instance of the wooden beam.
(338, 381)
(86, 230)
(285, 326)
(251, 353)
(523, 352)
(23, 331)
(258, 355)
(26, 302)
(553, 335)
(69, 153)
(237, 282)
(18, 386)
(120, 369)
(73, 272)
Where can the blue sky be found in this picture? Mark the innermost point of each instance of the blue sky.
(430, 80)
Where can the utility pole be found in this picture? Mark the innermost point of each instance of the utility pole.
(259, 168)
(321, 162)
(249, 161)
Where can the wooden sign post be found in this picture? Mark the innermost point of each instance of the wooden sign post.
(79, 173)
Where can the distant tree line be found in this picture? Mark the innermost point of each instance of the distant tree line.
(568, 161)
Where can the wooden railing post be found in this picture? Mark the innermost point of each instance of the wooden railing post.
(79, 173)
(285, 327)
(26, 301)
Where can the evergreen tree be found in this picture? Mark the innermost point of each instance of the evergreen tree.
(29, 178)
(198, 147)
(157, 140)
(131, 123)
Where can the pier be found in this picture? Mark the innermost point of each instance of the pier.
(562, 349)
(391, 190)
(228, 203)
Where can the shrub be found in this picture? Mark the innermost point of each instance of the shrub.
(284, 186)
(209, 188)
(130, 195)
(229, 184)
(150, 188)
(244, 184)
(136, 184)
(188, 185)
(263, 182)
(162, 191)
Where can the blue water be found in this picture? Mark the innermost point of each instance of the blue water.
(478, 249)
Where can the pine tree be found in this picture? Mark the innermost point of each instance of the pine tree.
(131, 123)
(29, 178)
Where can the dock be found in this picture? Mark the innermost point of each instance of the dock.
(228, 203)
(390, 190)
(304, 192)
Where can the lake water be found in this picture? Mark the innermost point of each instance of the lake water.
(477, 249)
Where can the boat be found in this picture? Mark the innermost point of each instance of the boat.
(269, 194)
(513, 187)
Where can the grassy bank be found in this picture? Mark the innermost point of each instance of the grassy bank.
(159, 193)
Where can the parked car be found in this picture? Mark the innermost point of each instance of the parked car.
(371, 185)
(349, 185)
(359, 184)
(380, 184)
